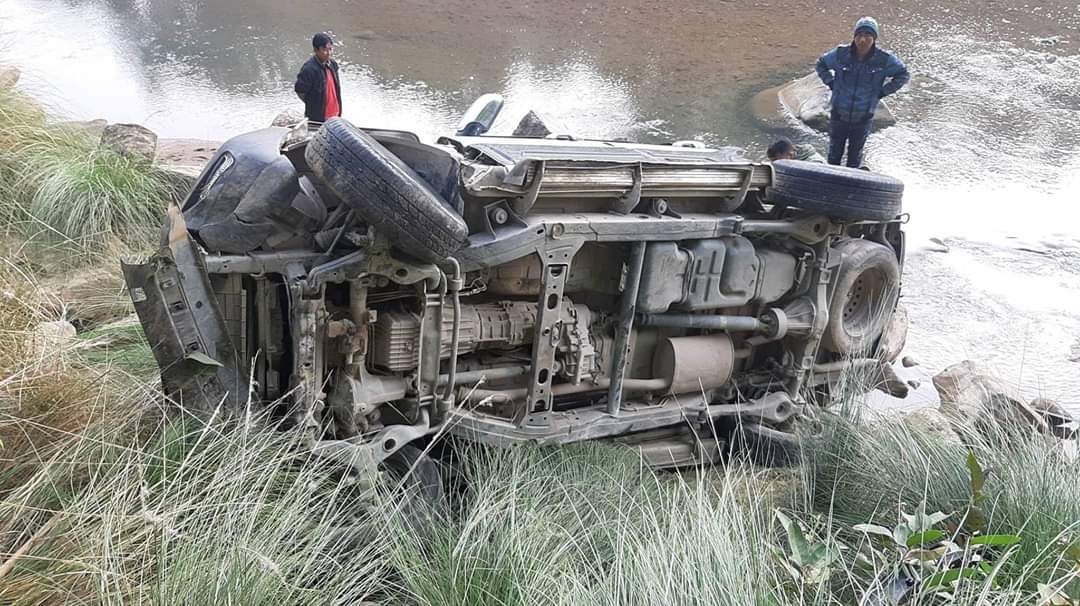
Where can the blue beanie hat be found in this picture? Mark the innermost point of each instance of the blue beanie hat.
(868, 24)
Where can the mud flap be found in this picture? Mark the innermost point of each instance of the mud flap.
(179, 312)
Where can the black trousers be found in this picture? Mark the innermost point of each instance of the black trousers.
(850, 134)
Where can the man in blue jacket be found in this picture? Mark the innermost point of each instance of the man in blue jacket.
(859, 75)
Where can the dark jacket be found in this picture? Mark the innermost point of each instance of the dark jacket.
(311, 88)
(858, 85)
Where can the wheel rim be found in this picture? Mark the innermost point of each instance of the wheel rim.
(865, 303)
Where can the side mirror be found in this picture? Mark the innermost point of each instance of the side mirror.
(480, 115)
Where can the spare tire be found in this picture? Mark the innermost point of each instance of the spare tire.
(385, 192)
(864, 298)
(846, 194)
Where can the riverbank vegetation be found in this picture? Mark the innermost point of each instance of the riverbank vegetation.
(107, 495)
(61, 189)
(106, 498)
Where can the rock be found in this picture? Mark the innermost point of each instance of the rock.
(9, 77)
(288, 118)
(1059, 422)
(531, 125)
(930, 422)
(894, 337)
(130, 140)
(955, 385)
(807, 100)
(888, 382)
(181, 178)
(937, 245)
(908, 362)
(48, 342)
(914, 384)
(975, 400)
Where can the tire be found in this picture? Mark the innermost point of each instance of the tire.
(769, 447)
(385, 192)
(418, 474)
(864, 298)
(846, 194)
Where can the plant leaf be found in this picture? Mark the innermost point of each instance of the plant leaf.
(978, 478)
(1073, 551)
(1052, 597)
(975, 519)
(922, 521)
(925, 537)
(995, 539)
(800, 547)
(874, 529)
(946, 578)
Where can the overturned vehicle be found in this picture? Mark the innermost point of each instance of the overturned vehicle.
(377, 291)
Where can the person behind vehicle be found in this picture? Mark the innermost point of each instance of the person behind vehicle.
(318, 84)
(859, 75)
(784, 149)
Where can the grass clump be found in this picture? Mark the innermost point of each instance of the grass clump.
(89, 196)
(1002, 482)
(211, 512)
(587, 524)
(58, 187)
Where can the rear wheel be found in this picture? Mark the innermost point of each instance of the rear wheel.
(867, 285)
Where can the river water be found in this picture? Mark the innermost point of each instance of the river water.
(988, 141)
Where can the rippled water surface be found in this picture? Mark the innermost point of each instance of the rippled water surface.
(988, 141)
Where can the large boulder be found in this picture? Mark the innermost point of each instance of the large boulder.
(933, 423)
(288, 118)
(9, 77)
(974, 400)
(130, 140)
(806, 99)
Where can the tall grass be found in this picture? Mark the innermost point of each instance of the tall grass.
(861, 473)
(588, 524)
(57, 186)
(203, 513)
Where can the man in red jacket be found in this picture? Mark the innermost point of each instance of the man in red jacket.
(318, 84)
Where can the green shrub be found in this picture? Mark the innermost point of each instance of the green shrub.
(56, 185)
(868, 473)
